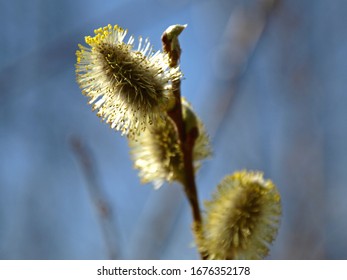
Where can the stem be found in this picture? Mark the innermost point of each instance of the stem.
(187, 142)
(187, 139)
(187, 145)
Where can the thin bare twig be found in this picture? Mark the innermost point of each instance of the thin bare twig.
(242, 36)
(101, 204)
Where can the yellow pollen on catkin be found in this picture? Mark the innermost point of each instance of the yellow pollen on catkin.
(128, 87)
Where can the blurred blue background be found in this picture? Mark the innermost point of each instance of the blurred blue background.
(267, 77)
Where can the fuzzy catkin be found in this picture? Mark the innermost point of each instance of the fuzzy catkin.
(130, 88)
(242, 217)
(157, 153)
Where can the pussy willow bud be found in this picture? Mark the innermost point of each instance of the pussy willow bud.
(129, 87)
(157, 153)
(171, 45)
(242, 218)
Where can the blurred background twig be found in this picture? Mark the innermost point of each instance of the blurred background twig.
(103, 207)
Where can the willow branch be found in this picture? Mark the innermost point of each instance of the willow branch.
(187, 139)
(187, 144)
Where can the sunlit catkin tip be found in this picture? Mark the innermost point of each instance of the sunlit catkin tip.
(242, 218)
(174, 30)
(128, 86)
